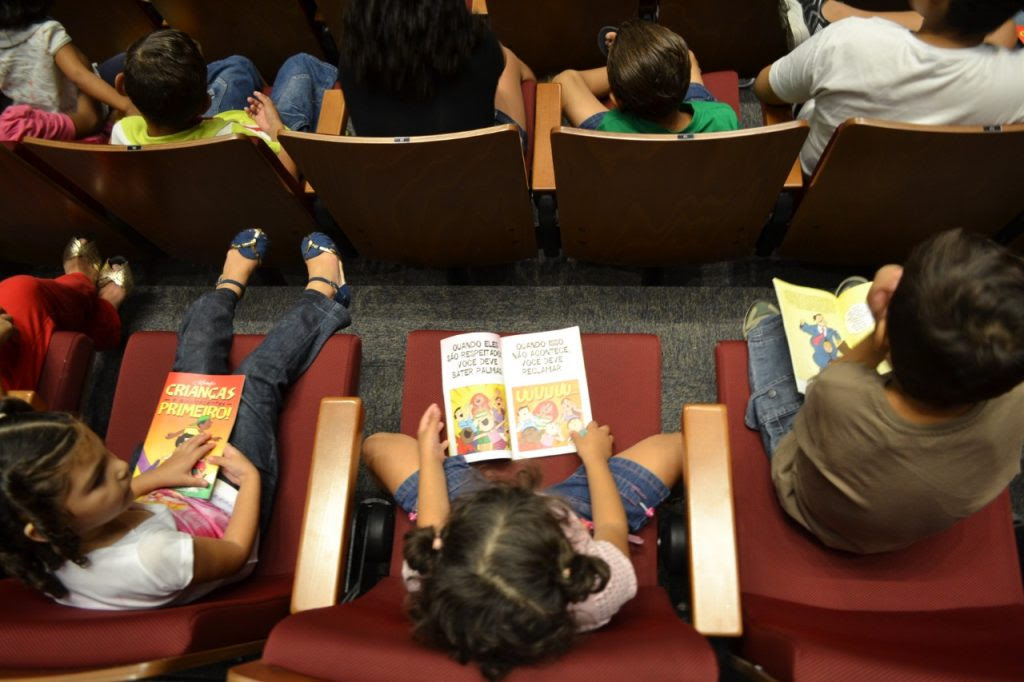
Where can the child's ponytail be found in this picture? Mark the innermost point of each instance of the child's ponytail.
(420, 549)
(583, 576)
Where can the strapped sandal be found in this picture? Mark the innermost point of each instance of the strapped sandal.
(252, 244)
(120, 276)
(84, 248)
(316, 243)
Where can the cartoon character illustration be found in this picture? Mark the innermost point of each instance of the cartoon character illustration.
(461, 418)
(550, 434)
(483, 422)
(573, 425)
(479, 402)
(192, 430)
(524, 420)
(824, 340)
(545, 413)
(464, 441)
(570, 411)
(498, 402)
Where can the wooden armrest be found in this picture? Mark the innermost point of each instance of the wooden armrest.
(333, 114)
(548, 115)
(258, 671)
(479, 7)
(714, 574)
(770, 115)
(34, 400)
(324, 542)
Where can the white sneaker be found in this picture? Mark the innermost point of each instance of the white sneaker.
(793, 16)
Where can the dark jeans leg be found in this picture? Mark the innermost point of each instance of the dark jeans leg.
(774, 400)
(283, 356)
(204, 339)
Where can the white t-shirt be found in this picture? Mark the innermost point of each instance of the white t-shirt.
(150, 566)
(874, 68)
(28, 72)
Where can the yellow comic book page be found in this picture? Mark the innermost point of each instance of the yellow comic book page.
(546, 414)
(479, 423)
(857, 321)
(813, 324)
(474, 396)
(191, 404)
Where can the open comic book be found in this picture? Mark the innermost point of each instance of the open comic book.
(191, 404)
(821, 327)
(514, 396)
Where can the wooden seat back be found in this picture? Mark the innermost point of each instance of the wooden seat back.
(188, 198)
(881, 187)
(654, 200)
(101, 34)
(39, 215)
(732, 35)
(459, 199)
(265, 31)
(553, 36)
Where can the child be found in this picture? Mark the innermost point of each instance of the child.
(654, 83)
(50, 82)
(70, 526)
(85, 299)
(942, 74)
(873, 463)
(165, 76)
(505, 576)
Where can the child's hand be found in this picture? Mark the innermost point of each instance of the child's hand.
(236, 466)
(429, 435)
(263, 111)
(594, 443)
(882, 288)
(176, 470)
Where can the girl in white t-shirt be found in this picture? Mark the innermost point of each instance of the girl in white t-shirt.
(72, 523)
(53, 88)
(505, 575)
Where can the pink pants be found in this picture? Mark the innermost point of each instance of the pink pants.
(20, 120)
(39, 308)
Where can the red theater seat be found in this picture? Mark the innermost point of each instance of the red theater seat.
(63, 374)
(950, 607)
(368, 638)
(38, 636)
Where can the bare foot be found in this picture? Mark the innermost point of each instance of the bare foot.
(239, 268)
(328, 266)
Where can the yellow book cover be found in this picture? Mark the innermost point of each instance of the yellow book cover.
(191, 404)
(821, 327)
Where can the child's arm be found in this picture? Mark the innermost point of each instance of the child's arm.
(75, 66)
(609, 519)
(763, 88)
(263, 111)
(176, 470)
(432, 506)
(221, 558)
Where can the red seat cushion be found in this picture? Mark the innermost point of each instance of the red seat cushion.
(725, 86)
(37, 633)
(62, 376)
(786, 575)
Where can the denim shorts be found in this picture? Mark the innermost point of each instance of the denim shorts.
(695, 93)
(501, 118)
(641, 491)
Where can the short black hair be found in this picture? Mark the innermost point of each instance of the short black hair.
(165, 78)
(979, 17)
(956, 321)
(15, 14)
(648, 69)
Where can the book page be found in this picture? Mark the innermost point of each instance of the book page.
(191, 404)
(474, 397)
(858, 322)
(547, 391)
(814, 328)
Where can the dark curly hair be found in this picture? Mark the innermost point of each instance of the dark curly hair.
(34, 462)
(404, 47)
(978, 18)
(497, 591)
(648, 69)
(956, 321)
(165, 78)
(16, 14)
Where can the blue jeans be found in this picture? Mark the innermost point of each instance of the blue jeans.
(638, 487)
(774, 400)
(285, 353)
(299, 90)
(231, 81)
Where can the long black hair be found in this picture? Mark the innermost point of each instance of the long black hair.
(15, 14)
(403, 47)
